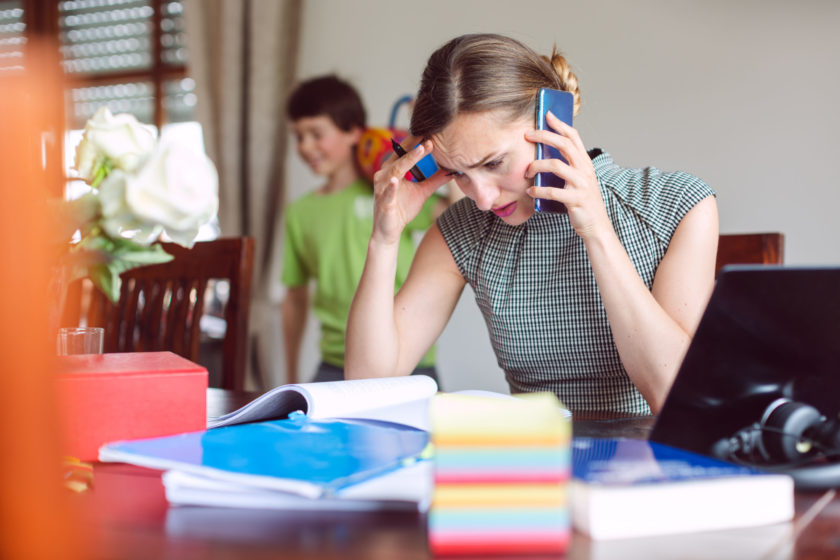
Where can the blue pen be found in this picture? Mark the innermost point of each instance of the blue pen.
(400, 151)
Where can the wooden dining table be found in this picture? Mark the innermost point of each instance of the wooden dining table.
(125, 516)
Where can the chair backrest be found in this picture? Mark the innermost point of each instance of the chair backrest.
(750, 248)
(161, 306)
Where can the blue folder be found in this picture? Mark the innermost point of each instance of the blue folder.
(310, 457)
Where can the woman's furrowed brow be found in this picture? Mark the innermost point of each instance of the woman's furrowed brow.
(479, 163)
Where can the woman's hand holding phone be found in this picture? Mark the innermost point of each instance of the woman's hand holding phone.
(397, 200)
(582, 192)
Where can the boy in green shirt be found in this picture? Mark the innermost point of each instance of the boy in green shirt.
(327, 230)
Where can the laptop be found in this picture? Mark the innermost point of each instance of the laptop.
(768, 332)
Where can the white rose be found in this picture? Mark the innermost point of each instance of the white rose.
(120, 139)
(118, 220)
(175, 189)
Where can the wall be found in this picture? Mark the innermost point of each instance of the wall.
(740, 93)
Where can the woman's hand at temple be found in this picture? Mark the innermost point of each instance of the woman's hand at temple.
(397, 200)
(386, 334)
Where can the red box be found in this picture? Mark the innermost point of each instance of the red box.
(109, 397)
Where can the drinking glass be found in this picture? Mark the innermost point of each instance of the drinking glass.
(80, 340)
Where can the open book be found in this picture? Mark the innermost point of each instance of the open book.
(263, 455)
(310, 441)
(403, 400)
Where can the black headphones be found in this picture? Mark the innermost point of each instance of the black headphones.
(791, 437)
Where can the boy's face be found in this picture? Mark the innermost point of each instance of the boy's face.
(322, 145)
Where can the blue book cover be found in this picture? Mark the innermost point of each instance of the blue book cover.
(313, 458)
(629, 487)
(638, 461)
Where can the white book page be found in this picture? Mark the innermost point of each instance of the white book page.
(416, 413)
(350, 399)
(412, 413)
(332, 399)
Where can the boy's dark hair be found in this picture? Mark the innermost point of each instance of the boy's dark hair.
(330, 96)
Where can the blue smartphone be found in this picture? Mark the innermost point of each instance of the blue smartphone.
(424, 169)
(561, 104)
(427, 165)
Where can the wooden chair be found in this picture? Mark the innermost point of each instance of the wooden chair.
(160, 306)
(750, 248)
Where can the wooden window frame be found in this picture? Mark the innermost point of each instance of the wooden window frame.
(41, 18)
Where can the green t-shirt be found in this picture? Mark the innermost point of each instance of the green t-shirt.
(326, 240)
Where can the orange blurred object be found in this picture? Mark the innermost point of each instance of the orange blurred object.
(35, 520)
(374, 146)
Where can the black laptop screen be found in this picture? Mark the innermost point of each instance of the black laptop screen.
(768, 332)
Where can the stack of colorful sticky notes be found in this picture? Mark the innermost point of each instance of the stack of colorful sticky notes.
(501, 471)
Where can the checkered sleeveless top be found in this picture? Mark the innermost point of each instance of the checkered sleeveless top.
(537, 292)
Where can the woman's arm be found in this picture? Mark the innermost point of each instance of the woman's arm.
(387, 335)
(651, 328)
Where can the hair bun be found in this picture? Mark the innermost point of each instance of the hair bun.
(568, 79)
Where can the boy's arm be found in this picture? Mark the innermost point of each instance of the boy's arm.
(294, 310)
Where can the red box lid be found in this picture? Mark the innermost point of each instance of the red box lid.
(141, 363)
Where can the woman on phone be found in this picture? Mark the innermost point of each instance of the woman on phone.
(597, 305)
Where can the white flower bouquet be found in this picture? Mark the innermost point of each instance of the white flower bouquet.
(140, 188)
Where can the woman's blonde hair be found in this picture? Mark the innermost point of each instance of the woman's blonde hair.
(486, 72)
